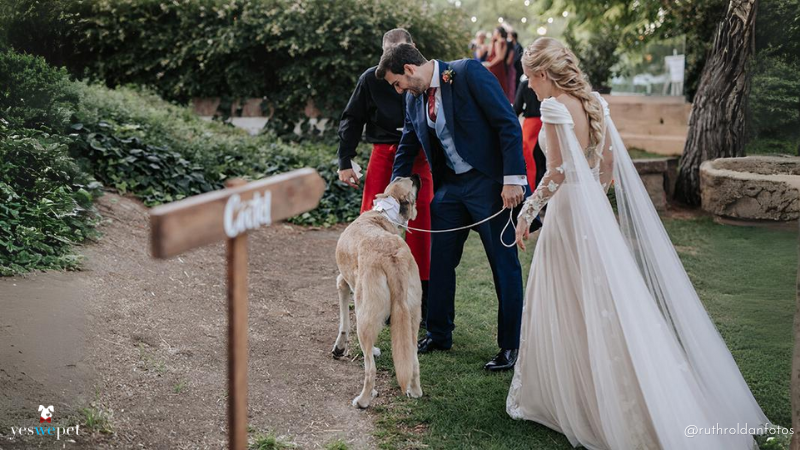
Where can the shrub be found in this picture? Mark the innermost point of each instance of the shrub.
(131, 140)
(155, 174)
(123, 131)
(46, 202)
(33, 94)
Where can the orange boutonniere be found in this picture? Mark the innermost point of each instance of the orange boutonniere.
(447, 76)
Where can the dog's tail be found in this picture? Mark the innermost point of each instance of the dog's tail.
(404, 349)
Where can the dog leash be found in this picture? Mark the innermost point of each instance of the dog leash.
(510, 222)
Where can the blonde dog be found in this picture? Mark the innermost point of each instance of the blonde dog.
(376, 265)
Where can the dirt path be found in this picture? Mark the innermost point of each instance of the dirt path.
(144, 340)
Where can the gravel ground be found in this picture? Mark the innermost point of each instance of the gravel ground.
(144, 342)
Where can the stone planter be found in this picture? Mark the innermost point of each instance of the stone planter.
(752, 188)
(250, 107)
(658, 176)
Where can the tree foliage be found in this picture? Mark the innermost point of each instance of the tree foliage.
(597, 55)
(636, 23)
(774, 104)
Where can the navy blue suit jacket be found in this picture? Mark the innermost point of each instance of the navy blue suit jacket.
(480, 118)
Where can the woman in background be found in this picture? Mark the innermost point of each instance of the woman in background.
(497, 57)
(511, 71)
(480, 51)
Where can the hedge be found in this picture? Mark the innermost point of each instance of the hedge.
(286, 51)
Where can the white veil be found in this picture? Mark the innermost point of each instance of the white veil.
(670, 287)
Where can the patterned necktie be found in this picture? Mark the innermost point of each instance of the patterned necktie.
(432, 104)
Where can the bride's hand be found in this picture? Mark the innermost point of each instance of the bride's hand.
(523, 231)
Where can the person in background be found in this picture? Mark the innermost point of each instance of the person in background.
(377, 105)
(478, 47)
(528, 105)
(511, 72)
(517, 57)
(497, 58)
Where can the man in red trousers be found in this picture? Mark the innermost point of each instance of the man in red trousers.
(377, 105)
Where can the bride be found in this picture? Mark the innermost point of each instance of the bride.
(616, 351)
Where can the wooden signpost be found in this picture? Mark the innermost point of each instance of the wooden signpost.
(228, 214)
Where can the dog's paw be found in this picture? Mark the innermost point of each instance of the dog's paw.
(363, 402)
(414, 393)
(360, 403)
(338, 352)
(376, 352)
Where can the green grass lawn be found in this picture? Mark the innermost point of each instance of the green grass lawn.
(745, 276)
(637, 153)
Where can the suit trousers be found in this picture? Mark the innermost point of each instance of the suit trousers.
(461, 200)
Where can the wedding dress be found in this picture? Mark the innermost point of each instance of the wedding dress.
(616, 351)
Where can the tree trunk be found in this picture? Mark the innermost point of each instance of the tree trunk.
(717, 122)
(795, 385)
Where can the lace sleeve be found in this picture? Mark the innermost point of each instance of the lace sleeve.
(607, 160)
(552, 179)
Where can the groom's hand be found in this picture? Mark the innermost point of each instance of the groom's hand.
(512, 195)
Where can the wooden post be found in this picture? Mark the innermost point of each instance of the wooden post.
(237, 336)
(228, 214)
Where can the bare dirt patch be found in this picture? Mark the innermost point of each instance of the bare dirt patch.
(145, 342)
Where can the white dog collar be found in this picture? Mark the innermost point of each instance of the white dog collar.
(389, 207)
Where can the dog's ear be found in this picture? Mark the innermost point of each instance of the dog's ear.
(41, 408)
(50, 408)
(408, 206)
(412, 214)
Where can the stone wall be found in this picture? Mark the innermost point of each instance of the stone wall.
(656, 124)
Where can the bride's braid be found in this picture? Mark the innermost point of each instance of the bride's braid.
(562, 68)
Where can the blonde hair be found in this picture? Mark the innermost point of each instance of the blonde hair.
(561, 66)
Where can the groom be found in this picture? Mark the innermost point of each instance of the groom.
(462, 119)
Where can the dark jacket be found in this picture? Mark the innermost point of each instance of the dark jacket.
(526, 102)
(486, 132)
(377, 105)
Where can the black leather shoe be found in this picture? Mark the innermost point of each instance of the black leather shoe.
(504, 360)
(427, 345)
